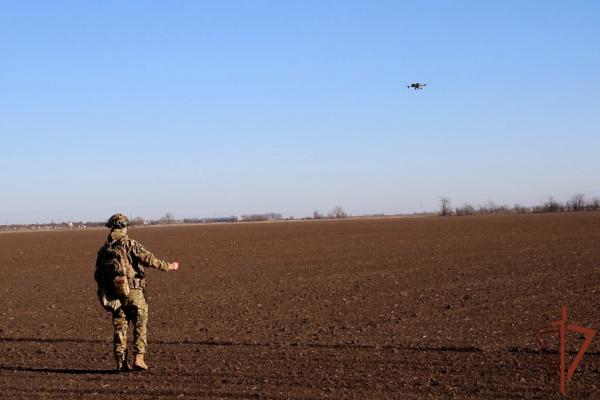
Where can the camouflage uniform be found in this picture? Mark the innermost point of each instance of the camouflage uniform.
(133, 307)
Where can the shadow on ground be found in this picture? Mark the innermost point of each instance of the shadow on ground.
(68, 371)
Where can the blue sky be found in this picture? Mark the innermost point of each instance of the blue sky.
(232, 107)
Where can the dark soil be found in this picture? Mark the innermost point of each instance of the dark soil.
(413, 308)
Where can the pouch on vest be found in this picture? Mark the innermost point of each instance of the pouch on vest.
(121, 286)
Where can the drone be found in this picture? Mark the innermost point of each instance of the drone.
(416, 86)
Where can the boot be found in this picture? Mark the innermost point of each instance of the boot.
(139, 363)
(122, 363)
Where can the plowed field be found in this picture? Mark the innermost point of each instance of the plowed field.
(413, 308)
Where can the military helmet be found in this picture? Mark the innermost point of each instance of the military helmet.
(118, 221)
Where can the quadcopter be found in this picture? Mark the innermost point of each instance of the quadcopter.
(416, 86)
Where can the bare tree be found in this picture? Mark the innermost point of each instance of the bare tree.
(491, 206)
(466, 209)
(317, 215)
(168, 218)
(551, 205)
(577, 202)
(502, 208)
(445, 206)
(338, 212)
(594, 204)
(519, 209)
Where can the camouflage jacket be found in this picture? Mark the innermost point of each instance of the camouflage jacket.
(139, 257)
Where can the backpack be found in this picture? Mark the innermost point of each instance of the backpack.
(114, 268)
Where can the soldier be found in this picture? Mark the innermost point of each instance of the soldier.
(121, 288)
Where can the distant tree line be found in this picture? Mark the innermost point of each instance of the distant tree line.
(261, 217)
(336, 213)
(577, 202)
(209, 220)
(69, 225)
(169, 218)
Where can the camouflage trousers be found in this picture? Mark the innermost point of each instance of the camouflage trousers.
(134, 309)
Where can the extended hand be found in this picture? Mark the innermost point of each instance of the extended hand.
(173, 266)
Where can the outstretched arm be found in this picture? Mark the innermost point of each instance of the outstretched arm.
(147, 259)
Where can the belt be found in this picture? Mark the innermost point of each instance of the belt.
(137, 283)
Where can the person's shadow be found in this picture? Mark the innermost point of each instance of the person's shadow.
(68, 371)
(71, 371)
